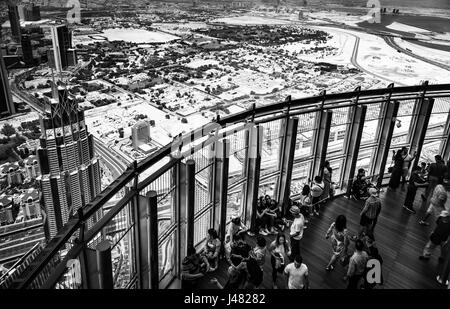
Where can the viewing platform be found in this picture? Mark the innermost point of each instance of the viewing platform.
(204, 178)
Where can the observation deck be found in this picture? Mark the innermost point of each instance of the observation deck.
(163, 204)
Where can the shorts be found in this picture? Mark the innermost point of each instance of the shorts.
(365, 221)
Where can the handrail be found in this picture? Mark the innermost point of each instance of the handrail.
(297, 106)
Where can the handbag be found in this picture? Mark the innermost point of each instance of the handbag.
(279, 261)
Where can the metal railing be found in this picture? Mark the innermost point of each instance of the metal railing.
(158, 170)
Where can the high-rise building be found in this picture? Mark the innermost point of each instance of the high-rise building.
(140, 134)
(27, 49)
(70, 172)
(36, 13)
(14, 20)
(29, 12)
(63, 53)
(6, 102)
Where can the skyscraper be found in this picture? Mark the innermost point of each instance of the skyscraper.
(140, 134)
(27, 49)
(14, 20)
(29, 12)
(62, 46)
(70, 170)
(6, 102)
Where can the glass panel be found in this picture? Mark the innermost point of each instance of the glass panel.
(403, 124)
(164, 187)
(305, 133)
(300, 174)
(234, 203)
(373, 116)
(438, 118)
(401, 129)
(238, 148)
(201, 226)
(71, 278)
(122, 259)
(267, 187)
(429, 151)
(338, 130)
(272, 139)
(166, 254)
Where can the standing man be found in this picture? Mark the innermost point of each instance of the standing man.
(296, 232)
(357, 265)
(370, 213)
(297, 274)
(415, 181)
(435, 176)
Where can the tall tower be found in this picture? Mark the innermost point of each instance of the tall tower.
(6, 102)
(27, 49)
(14, 20)
(70, 170)
(62, 47)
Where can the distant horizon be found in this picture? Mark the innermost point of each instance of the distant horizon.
(439, 4)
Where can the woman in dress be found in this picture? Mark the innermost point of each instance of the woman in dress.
(327, 173)
(397, 170)
(339, 240)
(280, 252)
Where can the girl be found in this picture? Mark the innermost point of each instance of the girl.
(339, 240)
(280, 252)
(327, 173)
(210, 252)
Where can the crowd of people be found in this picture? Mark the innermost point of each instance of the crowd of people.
(246, 263)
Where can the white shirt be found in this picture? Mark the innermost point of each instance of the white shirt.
(297, 226)
(296, 276)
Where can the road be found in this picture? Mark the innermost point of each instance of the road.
(354, 61)
(14, 246)
(116, 164)
(390, 41)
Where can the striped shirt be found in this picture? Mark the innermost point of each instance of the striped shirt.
(372, 207)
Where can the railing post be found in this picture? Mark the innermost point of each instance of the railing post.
(190, 202)
(419, 130)
(445, 146)
(287, 151)
(253, 164)
(104, 265)
(384, 141)
(352, 143)
(83, 257)
(224, 188)
(135, 205)
(144, 240)
(221, 165)
(320, 141)
(180, 214)
(152, 209)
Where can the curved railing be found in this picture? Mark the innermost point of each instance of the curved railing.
(159, 171)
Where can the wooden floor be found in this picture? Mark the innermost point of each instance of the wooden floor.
(399, 237)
